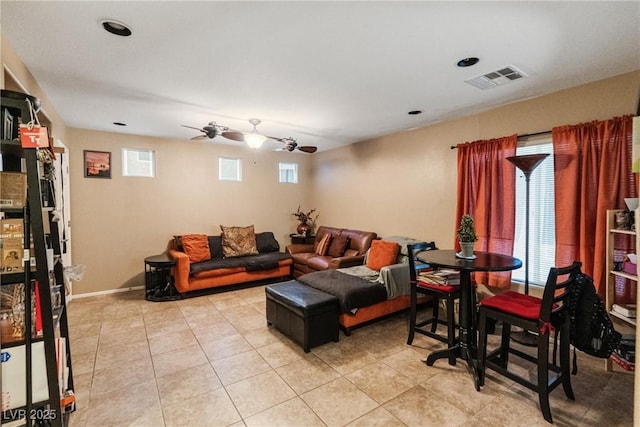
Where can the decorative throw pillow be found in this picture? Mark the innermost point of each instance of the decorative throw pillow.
(215, 246)
(266, 242)
(196, 246)
(382, 253)
(323, 245)
(338, 245)
(238, 241)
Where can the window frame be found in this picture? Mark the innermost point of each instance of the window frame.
(221, 168)
(294, 169)
(125, 163)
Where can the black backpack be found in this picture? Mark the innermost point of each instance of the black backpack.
(591, 327)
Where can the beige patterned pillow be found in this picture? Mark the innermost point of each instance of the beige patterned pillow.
(238, 241)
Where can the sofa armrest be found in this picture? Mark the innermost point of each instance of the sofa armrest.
(346, 261)
(181, 269)
(396, 279)
(298, 248)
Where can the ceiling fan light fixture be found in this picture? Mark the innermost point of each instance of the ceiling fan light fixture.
(254, 139)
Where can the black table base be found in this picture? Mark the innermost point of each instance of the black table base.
(466, 346)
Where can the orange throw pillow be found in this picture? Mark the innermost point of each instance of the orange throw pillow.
(323, 245)
(382, 253)
(196, 246)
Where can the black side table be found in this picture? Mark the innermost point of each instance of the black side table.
(158, 279)
(299, 238)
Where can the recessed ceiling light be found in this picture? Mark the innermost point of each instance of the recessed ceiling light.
(414, 112)
(467, 62)
(119, 124)
(116, 27)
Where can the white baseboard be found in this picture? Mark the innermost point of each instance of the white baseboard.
(110, 291)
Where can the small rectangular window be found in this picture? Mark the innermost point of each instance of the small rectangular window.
(138, 162)
(289, 172)
(230, 169)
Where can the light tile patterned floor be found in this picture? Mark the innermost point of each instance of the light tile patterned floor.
(212, 361)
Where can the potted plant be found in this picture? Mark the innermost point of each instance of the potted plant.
(467, 236)
(306, 221)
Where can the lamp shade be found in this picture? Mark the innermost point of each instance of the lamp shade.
(254, 139)
(528, 162)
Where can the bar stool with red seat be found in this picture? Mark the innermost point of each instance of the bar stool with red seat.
(449, 293)
(538, 315)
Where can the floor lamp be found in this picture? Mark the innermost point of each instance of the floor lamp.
(527, 164)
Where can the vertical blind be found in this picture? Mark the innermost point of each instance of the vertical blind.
(541, 216)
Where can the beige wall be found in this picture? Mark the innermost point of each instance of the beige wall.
(402, 184)
(118, 222)
(17, 77)
(405, 184)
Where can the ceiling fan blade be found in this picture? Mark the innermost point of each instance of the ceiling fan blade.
(191, 127)
(234, 135)
(307, 149)
(199, 137)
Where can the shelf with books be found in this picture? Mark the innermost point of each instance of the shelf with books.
(621, 279)
(36, 367)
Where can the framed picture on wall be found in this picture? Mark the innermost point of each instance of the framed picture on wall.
(97, 164)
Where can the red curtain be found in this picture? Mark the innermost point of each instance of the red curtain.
(486, 191)
(592, 172)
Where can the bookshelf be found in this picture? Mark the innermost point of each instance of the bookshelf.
(37, 379)
(619, 241)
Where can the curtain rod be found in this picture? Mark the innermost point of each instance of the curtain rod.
(524, 135)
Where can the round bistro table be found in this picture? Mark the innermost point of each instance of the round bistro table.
(465, 347)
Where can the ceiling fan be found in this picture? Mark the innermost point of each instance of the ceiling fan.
(210, 131)
(290, 144)
(253, 139)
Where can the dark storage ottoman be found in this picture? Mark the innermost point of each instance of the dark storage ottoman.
(306, 315)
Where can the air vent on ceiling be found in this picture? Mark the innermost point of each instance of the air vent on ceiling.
(497, 78)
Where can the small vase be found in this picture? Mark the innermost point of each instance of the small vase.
(467, 249)
(303, 229)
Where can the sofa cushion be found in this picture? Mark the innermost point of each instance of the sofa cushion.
(323, 245)
(196, 246)
(382, 253)
(302, 257)
(266, 242)
(338, 246)
(215, 246)
(318, 262)
(238, 241)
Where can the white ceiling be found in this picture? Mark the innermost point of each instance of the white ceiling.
(326, 73)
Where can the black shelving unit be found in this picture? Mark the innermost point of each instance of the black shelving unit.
(41, 231)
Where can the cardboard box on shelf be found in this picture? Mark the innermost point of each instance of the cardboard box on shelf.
(13, 189)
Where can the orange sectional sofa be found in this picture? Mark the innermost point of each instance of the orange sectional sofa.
(218, 271)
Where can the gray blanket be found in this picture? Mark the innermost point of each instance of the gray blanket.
(265, 261)
(352, 292)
